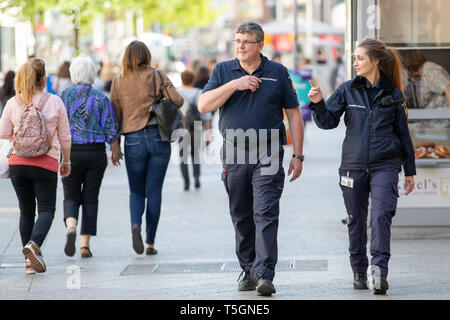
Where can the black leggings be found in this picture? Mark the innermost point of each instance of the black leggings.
(31, 184)
(82, 186)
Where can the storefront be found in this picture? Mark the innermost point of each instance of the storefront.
(418, 29)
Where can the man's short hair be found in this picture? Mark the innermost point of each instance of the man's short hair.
(251, 27)
(187, 78)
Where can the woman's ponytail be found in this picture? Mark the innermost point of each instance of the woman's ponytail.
(391, 67)
(29, 77)
(389, 60)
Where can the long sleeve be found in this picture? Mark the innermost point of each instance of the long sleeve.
(6, 125)
(63, 127)
(115, 101)
(174, 95)
(109, 122)
(402, 131)
(327, 115)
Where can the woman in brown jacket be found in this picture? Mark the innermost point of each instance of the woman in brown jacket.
(146, 155)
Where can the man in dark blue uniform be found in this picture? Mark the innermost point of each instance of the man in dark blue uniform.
(251, 92)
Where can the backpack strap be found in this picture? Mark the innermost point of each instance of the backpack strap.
(43, 101)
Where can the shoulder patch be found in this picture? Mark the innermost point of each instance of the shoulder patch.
(405, 108)
(292, 85)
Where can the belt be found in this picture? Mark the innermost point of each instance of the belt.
(151, 126)
(246, 144)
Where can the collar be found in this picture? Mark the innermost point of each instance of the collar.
(264, 60)
(384, 83)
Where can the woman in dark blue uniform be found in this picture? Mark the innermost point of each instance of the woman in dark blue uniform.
(376, 146)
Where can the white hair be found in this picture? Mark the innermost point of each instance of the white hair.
(82, 70)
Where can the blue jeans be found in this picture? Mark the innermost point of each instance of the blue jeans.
(146, 160)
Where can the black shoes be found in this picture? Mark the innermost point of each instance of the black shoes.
(380, 284)
(138, 245)
(197, 183)
(360, 281)
(246, 284)
(265, 287)
(69, 249)
(151, 251)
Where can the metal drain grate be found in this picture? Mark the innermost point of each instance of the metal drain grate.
(213, 267)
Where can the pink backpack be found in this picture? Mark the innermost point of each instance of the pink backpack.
(32, 139)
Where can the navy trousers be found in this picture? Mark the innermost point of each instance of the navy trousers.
(383, 191)
(254, 208)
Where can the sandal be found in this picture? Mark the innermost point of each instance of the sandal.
(86, 255)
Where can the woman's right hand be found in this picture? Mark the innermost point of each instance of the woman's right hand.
(315, 94)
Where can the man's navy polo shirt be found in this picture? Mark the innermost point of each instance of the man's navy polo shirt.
(262, 109)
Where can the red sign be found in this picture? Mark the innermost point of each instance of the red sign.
(283, 43)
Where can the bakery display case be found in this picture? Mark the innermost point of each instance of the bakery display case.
(429, 203)
(414, 25)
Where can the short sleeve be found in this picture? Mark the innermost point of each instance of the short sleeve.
(288, 94)
(213, 82)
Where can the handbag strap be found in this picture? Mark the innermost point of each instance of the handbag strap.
(162, 83)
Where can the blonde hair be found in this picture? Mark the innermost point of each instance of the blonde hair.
(29, 78)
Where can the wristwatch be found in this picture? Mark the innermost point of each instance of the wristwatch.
(299, 157)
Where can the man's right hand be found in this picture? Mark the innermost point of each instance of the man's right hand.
(315, 94)
(247, 83)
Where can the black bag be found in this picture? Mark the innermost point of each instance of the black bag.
(168, 117)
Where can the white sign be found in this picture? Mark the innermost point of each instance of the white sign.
(431, 190)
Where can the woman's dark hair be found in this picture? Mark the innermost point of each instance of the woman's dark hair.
(201, 77)
(136, 56)
(413, 60)
(63, 71)
(8, 84)
(389, 60)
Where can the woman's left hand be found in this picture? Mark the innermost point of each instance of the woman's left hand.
(409, 185)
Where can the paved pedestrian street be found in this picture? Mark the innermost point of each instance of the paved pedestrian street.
(195, 240)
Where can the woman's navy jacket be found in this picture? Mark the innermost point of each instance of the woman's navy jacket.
(377, 135)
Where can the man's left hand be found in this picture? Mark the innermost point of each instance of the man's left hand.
(296, 166)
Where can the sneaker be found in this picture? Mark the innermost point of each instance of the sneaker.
(265, 287)
(246, 284)
(151, 251)
(33, 253)
(28, 269)
(138, 245)
(380, 284)
(360, 281)
(69, 249)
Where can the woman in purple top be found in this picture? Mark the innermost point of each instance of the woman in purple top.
(92, 124)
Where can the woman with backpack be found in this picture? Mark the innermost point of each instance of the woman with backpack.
(146, 155)
(37, 124)
(92, 124)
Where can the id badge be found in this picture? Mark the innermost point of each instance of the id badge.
(346, 181)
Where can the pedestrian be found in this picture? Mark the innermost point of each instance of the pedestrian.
(146, 155)
(62, 79)
(7, 91)
(92, 124)
(201, 77)
(376, 145)
(276, 56)
(189, 109)
(434, 87)
(251, 92)
(35, 178)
